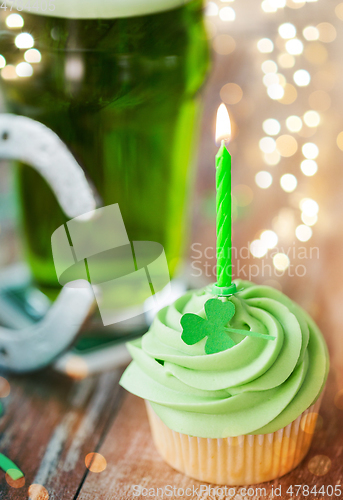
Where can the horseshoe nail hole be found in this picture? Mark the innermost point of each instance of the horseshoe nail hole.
(5, 136)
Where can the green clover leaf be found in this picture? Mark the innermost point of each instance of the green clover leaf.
(219, 314)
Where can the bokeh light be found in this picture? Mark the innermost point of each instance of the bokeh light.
(309, 206)
(316, 53)
(14, 21)
(76, 367)
(281, 261)
(286, 145)
(9, 72)
(38, 492)
(311, 33)
(270, 79)
(258, 249)
(24, 69)
(265, 45)
(309, 167)
(212, 9)
(294, 123)
(267, 144)
(32, 56)
(339, 141)
(231, 93)
(286, 60)
(263, 179)
(227, 14)
(24, 41)
(290, 94)
(269, 67)
(310, 150)
(302, 77)
(319, 465)
(309, 220)
(243, 195)
(288, 182)
(2, 62)
(272, 158)
(223, 44)
(339, 11)
(311, 118)
(287, 30)
(95, 462)
(303, 232)
(327, 32)
(269, 238)
(15, 483)
(275, 91)
(311, 422)
(294, 47)
(271, 126)
(267, 7)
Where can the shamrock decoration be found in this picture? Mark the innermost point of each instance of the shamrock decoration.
(218, 313)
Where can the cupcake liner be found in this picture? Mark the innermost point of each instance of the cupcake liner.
(234, 461)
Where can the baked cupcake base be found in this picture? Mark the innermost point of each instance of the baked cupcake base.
(234, 461)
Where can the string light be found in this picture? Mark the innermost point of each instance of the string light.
(14, 21)
(32, 56)
(302, 77)
(312, 118)
(309, 207)
(311, 33)
(269, 67)
(303, 232)
(294, 123)
(288, 182)
(287, 30)
(272, 158)
(24, 41)
(269, 239)
(265, 45)
(212, 9)
(309, 220)
(227, 14)
(310, 150)
(309, 167)
(281, 261)
(263, 179)
(294, 47)
(286, 60)
(258, 249)
(267, 144)
(275, 91)
(271, 126)
(24, 69)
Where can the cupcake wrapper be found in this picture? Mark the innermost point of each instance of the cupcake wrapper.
(234, 461)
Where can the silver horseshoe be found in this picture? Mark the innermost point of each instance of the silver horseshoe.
(29, 141)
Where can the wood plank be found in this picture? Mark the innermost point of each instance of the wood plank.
(50, 424)
(132, 458)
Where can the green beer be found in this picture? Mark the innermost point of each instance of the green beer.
(122, 92)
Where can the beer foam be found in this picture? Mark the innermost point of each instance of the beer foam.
(104, 9)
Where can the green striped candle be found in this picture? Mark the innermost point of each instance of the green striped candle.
(224, 285)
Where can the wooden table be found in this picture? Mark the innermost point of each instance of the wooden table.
(51, 423)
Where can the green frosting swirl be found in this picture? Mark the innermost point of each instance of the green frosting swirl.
(256, 387)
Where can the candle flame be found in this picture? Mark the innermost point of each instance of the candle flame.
(223, 126)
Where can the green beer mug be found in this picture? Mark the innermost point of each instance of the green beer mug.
(118, 83)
